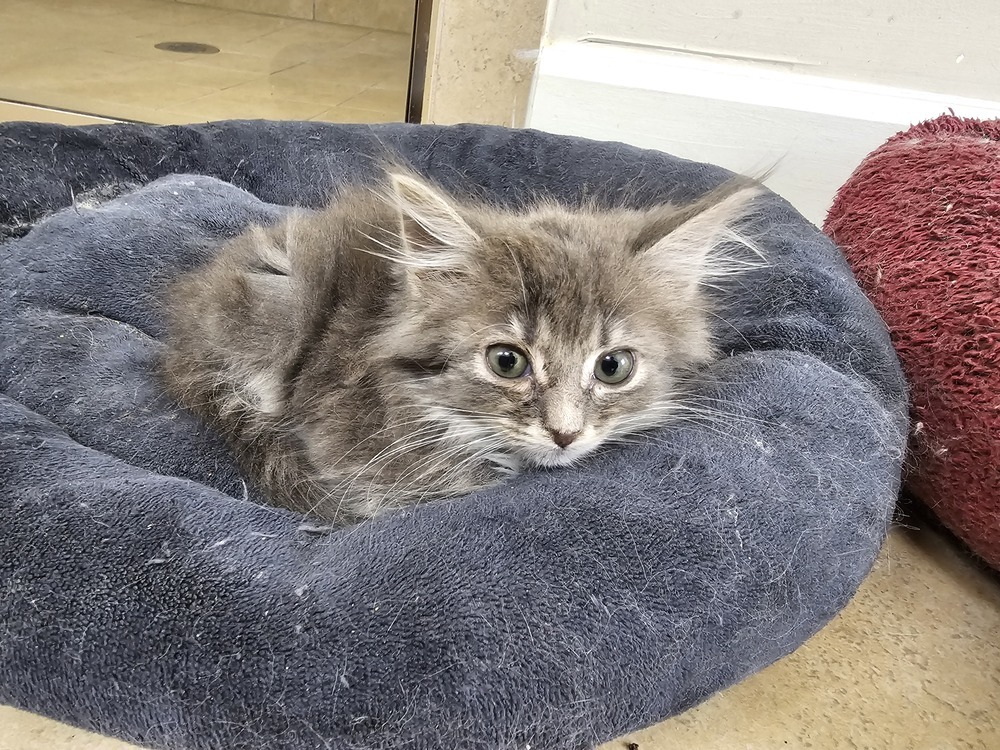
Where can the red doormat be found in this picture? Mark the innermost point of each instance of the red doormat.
(919, 221)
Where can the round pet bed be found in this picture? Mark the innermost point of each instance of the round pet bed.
(144, 594)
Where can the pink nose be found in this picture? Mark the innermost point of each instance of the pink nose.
(563, 439)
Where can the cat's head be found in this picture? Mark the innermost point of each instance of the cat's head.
(542, 334)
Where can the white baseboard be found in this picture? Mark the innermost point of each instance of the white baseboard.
(743, 115)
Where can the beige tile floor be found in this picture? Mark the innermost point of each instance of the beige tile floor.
(913, 663)
(98, 57)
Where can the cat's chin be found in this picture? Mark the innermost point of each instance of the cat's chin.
(551, 458)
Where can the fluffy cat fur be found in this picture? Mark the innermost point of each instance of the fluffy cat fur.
(346, 353)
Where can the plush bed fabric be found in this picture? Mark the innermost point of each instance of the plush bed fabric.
(918, 220)
(145, 595)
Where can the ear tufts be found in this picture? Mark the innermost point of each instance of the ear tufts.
(705, 240)
(433, 233)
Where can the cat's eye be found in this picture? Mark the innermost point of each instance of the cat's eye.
(614, 367)
(507, 361)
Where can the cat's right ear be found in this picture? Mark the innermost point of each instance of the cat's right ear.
(433, 234)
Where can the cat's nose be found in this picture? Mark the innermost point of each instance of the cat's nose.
(563, 439)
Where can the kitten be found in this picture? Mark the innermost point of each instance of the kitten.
(403, 344)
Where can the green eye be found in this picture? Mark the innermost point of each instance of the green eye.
(507, 361)
(614, 367)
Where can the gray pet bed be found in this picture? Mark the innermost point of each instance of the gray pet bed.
(143, 593)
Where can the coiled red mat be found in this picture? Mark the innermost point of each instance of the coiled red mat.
(919, 221)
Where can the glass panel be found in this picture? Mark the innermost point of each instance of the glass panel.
(166, 61)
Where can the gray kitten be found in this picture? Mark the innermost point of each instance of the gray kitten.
(402, 344)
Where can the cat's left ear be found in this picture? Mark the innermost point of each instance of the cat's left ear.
(434, 235)
(705, 240)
